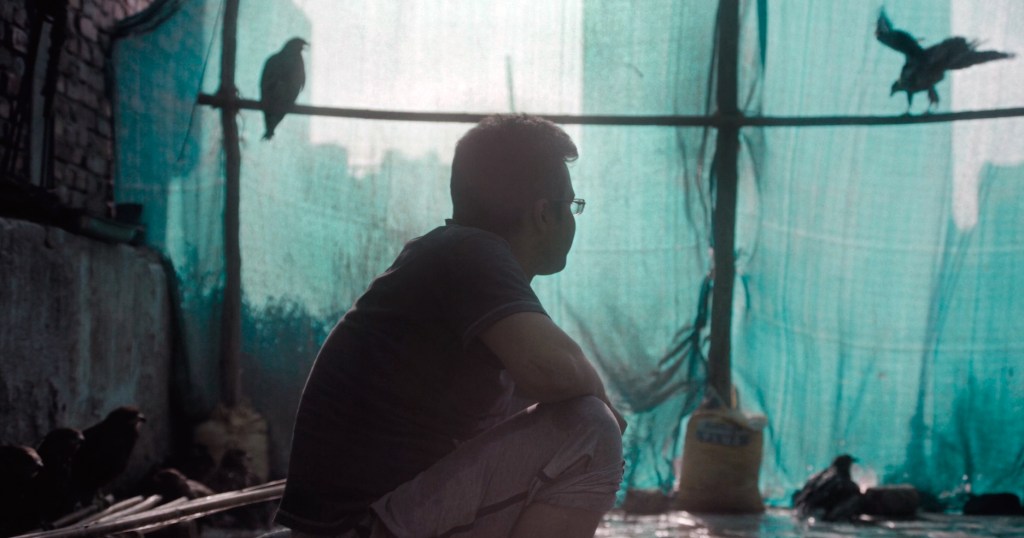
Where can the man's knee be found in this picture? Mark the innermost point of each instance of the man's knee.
(587, 469)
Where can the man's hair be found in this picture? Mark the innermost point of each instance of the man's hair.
(503, 165)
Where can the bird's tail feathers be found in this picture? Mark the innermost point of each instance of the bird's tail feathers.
(978, 57)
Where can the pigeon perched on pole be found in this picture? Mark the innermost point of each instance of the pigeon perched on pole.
(925, 67)
(105, 451)
(283, 77)
(830, 495)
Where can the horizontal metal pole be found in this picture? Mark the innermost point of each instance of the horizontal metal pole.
(217, 101)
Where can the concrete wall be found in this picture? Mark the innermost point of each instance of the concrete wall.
(84, 327)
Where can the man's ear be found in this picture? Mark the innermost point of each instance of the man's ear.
(540, 214)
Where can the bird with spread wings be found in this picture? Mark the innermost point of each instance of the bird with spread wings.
(925, 67)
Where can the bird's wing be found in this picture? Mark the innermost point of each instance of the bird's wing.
(811, 488)
(273, 72)
(896, 39)
(945, 54)
(282, 81)
(847, 505)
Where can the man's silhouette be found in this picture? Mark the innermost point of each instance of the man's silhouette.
(408, 425)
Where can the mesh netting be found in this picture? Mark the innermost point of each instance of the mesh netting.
(878, 307)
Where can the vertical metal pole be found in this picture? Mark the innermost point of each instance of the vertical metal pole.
(724, 215)
(509, 85)
(231, 315)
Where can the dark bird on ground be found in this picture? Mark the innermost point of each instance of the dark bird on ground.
(233, 474)
(283, 77)
(171, 484)
(993, 504)
(830, 495)
(19, 465)
(196, 463)
(52, 489)
(105, 451)
(925, 67)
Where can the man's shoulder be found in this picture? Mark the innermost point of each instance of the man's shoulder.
(454, 237)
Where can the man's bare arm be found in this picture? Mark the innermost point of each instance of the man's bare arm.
(546, 364)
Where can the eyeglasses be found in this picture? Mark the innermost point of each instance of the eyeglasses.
(576, 205)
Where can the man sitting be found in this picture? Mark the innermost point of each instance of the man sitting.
(408, 425)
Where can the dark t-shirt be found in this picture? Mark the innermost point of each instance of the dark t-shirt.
(403, 379)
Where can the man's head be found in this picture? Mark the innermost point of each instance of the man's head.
(509, 176)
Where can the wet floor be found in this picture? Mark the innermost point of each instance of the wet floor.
(779, 523)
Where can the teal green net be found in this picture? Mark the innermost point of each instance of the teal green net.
(878, 300)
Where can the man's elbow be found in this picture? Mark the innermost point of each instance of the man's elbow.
(547, 385)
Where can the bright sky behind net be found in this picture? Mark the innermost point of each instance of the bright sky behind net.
(524, 55)
(975, 142)
(456, 57)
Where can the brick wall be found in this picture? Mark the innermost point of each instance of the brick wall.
(13, 48)
(83, 149)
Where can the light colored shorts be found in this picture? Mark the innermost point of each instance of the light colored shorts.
(566, 454)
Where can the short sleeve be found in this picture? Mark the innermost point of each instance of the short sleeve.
(485, 284)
